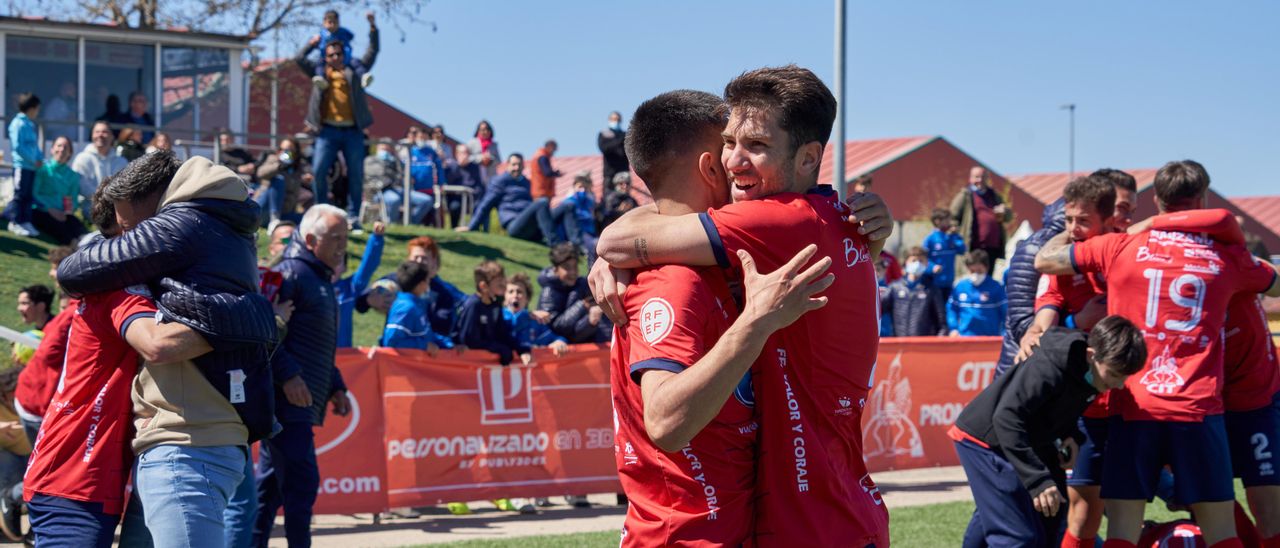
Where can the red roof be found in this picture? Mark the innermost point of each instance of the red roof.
(1264, 209)
(863, 156)
(1047, 187)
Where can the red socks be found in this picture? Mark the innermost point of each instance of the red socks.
(1070, 541)
(1229, 543)
(1117, 543)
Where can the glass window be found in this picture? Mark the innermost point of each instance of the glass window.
(46, 67)
(120, 80)
(195, 85)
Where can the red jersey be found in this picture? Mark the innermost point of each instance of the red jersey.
(37, 381)
(700, 495)
(1253, 376)
(1177, 286)
(811, 380)
(82, 452)
(1068, 294)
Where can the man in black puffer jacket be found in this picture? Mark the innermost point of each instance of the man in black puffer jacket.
(189, 233)
(1022, 281)
(310, 380)
(566, 296)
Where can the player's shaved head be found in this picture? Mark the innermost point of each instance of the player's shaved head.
(671, 129)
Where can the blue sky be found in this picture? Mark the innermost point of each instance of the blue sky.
(1153, 81)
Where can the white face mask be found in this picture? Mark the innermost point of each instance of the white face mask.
(977, 278)
(915, 268)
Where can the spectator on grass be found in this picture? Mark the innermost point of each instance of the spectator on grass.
(281, 180)
(915, 304)
(576, 215)
(522, 216)
(35, 303)
(480, 323)
(566, 297)
(529, 328)
(617, 200)
(484, 151)
(611, 141)
(338, 113)
(439, 143)
(307, 377)
(464, 173)
(542, 178)
(944, 246)
(982, 214)
(281, 236)
(350, 287)
(407, 325)
(27, 158)
(426, 169)
(978, 305)
(235, 157)
(57, 196)
(384, 172)
(96, 162)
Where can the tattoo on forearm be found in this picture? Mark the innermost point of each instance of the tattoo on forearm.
(642, 251)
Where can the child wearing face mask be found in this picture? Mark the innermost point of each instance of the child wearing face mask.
(978, 305)
(915, 306)
(576, 216)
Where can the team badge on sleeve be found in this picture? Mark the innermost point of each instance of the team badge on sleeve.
(656, 320)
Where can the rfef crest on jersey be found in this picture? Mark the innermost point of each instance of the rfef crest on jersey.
(656, 320)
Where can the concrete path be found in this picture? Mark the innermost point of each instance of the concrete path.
(904, 488)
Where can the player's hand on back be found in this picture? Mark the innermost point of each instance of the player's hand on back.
(1030, 340)
(608, 284)
(871, 214)
(779, 298)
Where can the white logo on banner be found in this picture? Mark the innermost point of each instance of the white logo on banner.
(890, 432)
(505, 395)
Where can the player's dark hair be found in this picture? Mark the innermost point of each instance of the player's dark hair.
(1118, 344)
(563, 252)
(144, 177)
(27, 101)
(670, 127)
(38, 294)
(804, 106)
(103, 211)
(976, 257)
(410, 274)
(1095, 191)
(487, 271)
(1181, 184)
(1117, 178)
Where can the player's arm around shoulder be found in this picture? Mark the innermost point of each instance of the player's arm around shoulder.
(679, 405)
(643, 237)
(164, 342)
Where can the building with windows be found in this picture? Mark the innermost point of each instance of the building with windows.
(187, 84)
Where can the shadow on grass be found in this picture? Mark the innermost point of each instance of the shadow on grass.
(472, 249)
(24, 247)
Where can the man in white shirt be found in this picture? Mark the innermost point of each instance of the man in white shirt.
(96, 162)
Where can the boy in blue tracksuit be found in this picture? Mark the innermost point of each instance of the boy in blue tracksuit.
(943, 246)
(978, 305)
(352, 286)
(481, 324)
(530, 328)
(407, 325)
(576, 215)
(27, 158)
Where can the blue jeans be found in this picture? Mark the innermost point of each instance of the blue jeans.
(24, 185)
(184, 492)
(287, 475)
(272, 201)
(534, 224)
(349, 140)
(242, 510)
(1004, 514)
(420, 204)
(64, 523)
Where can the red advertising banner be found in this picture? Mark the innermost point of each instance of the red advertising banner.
(455, 427)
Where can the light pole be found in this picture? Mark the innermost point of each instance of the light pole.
(837, 172)
(1071, 139)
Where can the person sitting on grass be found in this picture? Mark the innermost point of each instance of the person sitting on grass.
(566, 297)
(407, 325)
(530, 328)
(576, 215)
(1016, 438)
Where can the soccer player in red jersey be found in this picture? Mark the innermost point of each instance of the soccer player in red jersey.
(811, 381)
(1171, 413)
(74, 484)
(686, 434)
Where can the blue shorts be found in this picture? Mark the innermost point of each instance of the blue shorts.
(1197, 453)
(1252, 436)
(58, 522)
(1088, 470)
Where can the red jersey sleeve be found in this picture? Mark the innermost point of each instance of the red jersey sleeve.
(1049, 294)
(128, 305)
(666, 329)
(1219, 224)
(1253, 275)
(751, 226)
(1096, 254)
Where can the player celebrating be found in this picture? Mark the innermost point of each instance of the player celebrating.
(1172, 410)
(810, 383)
